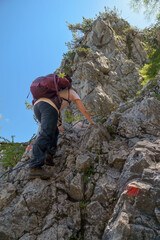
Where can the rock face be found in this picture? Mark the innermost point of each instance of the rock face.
(139, 116)
(108, 75)
(142, 118)
(106, 177)
(136, 215)
(108, 189)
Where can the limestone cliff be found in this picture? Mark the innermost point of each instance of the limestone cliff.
(106, 178)
(107, 74)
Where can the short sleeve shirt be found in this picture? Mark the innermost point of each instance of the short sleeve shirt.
(70, 95)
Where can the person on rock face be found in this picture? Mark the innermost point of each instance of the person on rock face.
(45, 145)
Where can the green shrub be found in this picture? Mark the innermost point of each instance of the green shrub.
(84, 27)
(110, 14)
(112, 131)
(96, 160)
(67, 69)
(83, 204)
(70, 118)
(69, 58)
(129, 45)
(69, 55)
(88, 173)
(73, 237)
(83, 51)
(151, 69)
(157, 96)
(11, 153)
(87, 179)
(101, 119)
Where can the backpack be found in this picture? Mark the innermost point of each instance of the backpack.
(49, 86)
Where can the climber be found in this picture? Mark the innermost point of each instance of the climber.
(47, 112)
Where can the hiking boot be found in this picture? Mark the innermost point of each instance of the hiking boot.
(39, 173)
(49, 160)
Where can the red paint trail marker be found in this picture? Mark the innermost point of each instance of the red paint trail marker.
(29, 148)
(132, 191)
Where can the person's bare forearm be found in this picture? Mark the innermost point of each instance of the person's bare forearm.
(83, 110)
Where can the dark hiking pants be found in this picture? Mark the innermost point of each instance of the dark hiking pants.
(47, 139)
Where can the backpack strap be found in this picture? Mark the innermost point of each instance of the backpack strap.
(69, 96)
(67, 100)
(56, 86)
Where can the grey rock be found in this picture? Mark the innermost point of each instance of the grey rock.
(95, 212)
(49, 234)
(76, 190)
(7, 194)
(28, 237)
(34, 191)
(137, 189)
(143, 118)
(118, 155)
(70, 160)
(83, 162)
(104, 190)
(157, 212)
(89, 191)
(94, 138)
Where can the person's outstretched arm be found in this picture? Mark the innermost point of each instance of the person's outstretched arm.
(83, 110)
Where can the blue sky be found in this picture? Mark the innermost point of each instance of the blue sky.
(33, 35)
